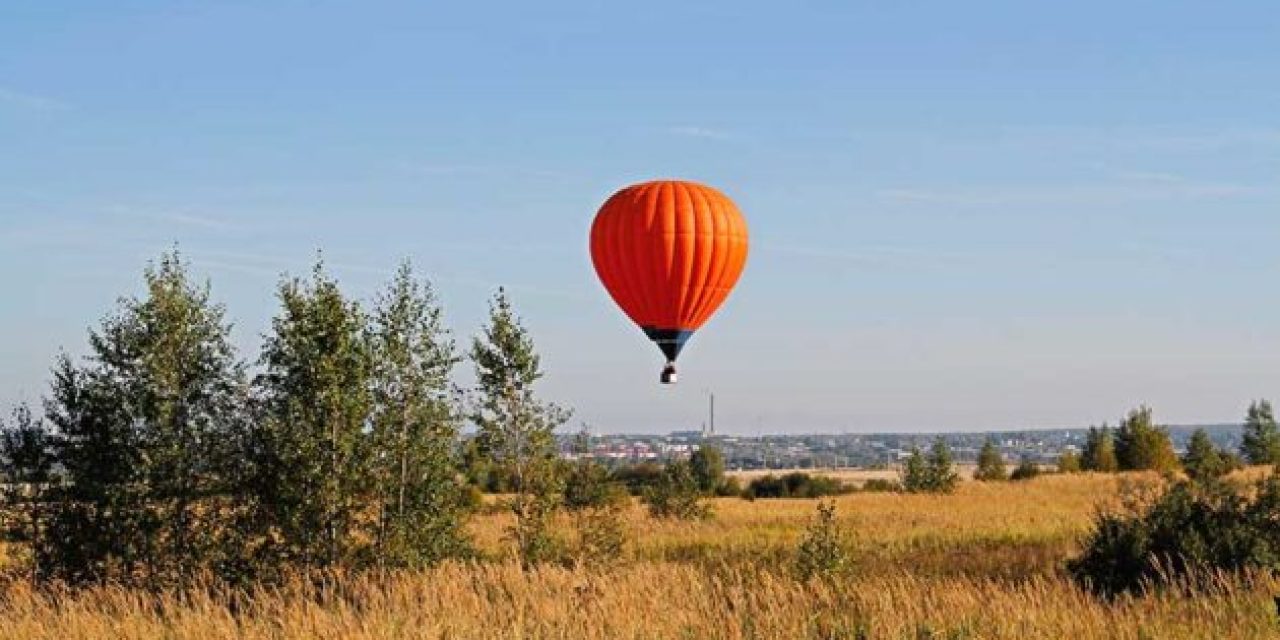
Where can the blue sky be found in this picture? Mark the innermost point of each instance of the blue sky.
(964, 215)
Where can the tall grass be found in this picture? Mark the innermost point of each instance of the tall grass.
(984, 564)
(647, 600)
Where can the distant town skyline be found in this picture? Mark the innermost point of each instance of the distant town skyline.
(963, 217)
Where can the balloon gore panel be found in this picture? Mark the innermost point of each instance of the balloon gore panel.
(669, 252)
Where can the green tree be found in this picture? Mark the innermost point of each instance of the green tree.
(1261, 442)
(93, 525)
(146, 429)
(26, 469)
(515, 428)
(1026, 470)
(1100, 451)
(1142, 446)
(677, 494)
(822, 551)
(587, 484)
(1069, 462)
(479, 469)
(708, 467)
(942, 473)
(313, 471)
(990, 464)
(597, 504)
(1204, 460)
(1189, 534)
(931, 473)
(915, 475)
(414, 427)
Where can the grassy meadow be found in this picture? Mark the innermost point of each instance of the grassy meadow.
(986, 562)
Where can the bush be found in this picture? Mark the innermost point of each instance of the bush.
(472, 498)
(930, 474)
(1100, 451)
(1141, 445)
(1260, 443)
(707, 464)
(794, 485)
(676, 495)
(638, 478)
(822, 553)
(990, 464)
(881, 485)
(1204, 460)
(601, 535)
(731, 487)
(1191, 528)
(588, 485)
(1026, 470)
(1069, 462)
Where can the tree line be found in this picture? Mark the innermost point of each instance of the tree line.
(163, 456)
(1139, 444)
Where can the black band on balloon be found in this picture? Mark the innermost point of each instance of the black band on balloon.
(670, 341)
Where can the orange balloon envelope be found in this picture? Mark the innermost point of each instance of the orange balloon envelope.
(669, 252)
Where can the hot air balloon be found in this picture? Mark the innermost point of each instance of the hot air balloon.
(669, 252)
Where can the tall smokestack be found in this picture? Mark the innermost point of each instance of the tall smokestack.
(713, 414)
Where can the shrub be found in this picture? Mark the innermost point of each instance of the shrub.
(596, 502)
(990, 464)
(794, 485)
(588, 485)
(881, 485)
(601, 534)
(707, 464)
(1204, 460)
(472, 498)
(930, 474)
(1100, 451)
(769, 486)
(638, 478)
(1026, 470)
(822, 553)
(730, 487)
(1261, 438)
(1069, 462)
(676, 495)
(1188, 529)
(1141, 445)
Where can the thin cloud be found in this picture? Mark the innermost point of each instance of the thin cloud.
(1152, 189)
(1150, 176)
(699, 132)
(31, 101)
(1024, 254)
(54, 233)
(1136, 138)
(449, 169)
(866, 256)
(195, 221)
(483, 170)
(224, 265)
(1209, 140)
(178, 218)
(271, 265)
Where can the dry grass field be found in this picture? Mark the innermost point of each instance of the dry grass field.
(983, 563)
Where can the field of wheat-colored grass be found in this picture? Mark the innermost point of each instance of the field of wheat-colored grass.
(985, 563)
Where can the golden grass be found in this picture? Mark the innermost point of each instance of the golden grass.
(984, 563)
(993, 529)
(650, 600)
